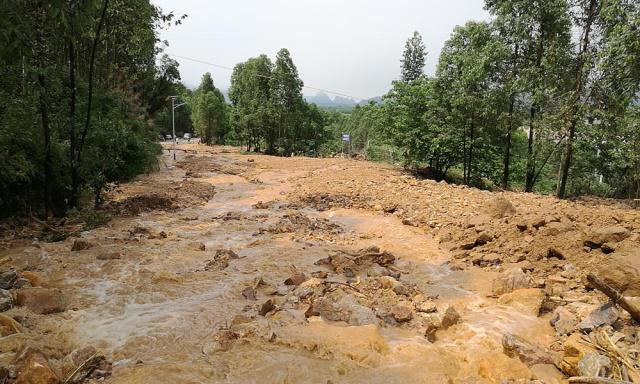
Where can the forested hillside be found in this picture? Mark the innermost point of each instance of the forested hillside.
(80, 83)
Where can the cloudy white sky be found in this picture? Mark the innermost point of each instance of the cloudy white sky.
(347, 46)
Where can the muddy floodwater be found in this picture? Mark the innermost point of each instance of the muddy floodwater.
(210, 291)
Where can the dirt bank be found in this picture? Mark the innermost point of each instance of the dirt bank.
(225, 267)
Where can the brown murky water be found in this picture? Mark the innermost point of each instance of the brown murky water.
(154, 311)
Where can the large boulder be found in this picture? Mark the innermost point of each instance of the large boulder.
(528, 300)
(606, 314)
(7, 279)
(42, 300)
(6, 300)
(510, 281)
(529, 353)
(609, 235)
(622, 272)
(35, 369)
(83, 363)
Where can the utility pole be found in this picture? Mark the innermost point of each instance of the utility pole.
(173, 125)
(173, 122)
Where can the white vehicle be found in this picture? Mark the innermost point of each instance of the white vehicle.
(187, 136)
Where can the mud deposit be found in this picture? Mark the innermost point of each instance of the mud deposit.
(227, 268)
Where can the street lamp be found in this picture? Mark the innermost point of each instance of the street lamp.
(173, 122)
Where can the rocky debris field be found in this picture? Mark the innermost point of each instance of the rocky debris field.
(224, 267)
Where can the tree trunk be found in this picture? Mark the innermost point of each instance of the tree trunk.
(507, 150)
(46, 132)
(576, 100)
(531, 160)
(92, 61)
(75, 184)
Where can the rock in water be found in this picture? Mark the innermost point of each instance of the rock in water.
(266, 307)
(528, 299)
(81, 245)
(7, 279)
(35, 369)
(249, 293)
(82, 363)
(450, 318)
(6, 300)
(528, 353)
(296, 279)
(42, 300)
(606, 314)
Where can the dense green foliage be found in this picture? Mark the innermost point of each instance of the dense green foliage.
(269, 112)
(209, 114)
(80, 88)
(543, 97)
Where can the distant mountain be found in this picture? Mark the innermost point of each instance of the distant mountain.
(377, 100)
(320, 99)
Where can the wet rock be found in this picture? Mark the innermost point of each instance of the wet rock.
(35, 369)
(84, 363)
(401, 313)
(5, 375)
(249, 293)
(296, 279)
(266, 307)
(42, 300)
(574, 351)
(510, 281)
(606, 314)
(622, 272)
(220, 260)
(425, 306)
(344, 308)
(81, 245)
(197, 246)
(21, 282)
(228, 253)
(564, 321)
(611, 234)
(6, 300)
(530, 354)
(9, 326)
(594, 365)
(319, 274)
(36, 279)
(222, 341)
(529, 300)
(7, 279)
(450, 318)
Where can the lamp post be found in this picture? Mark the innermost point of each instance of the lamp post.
(173, 122)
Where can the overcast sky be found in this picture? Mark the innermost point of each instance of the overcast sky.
(347, 46)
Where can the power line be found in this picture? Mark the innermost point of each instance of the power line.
(231, 69)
